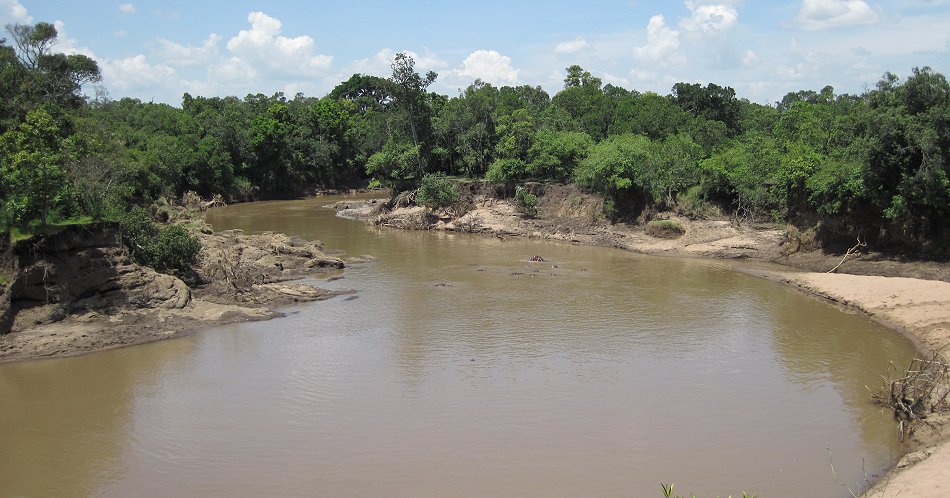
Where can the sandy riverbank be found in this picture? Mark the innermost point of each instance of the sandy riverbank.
(919, 309)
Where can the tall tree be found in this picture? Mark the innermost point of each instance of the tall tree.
(410, 92)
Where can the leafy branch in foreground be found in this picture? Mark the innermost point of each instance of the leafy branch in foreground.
(668, 492)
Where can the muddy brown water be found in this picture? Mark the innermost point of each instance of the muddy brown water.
(458, 368)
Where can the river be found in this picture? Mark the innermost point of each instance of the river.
(459, 368)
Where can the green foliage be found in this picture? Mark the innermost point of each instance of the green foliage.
(437, 192)
(526, 202)
(395, 165)
(507, 171)
(166, 249)
(32, 173)
(745, 173)
(712, 102)
(616, 166)
(876, 163)
(555, 154)
(175, 250)
(669, 493)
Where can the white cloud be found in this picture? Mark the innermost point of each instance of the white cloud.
(66, 44)
(824, 14)
(749, 57)
(136, 73)
(572, 47)
(232, 69)
(489, 66)
(662, 44)
(182, 55)
(616, 80)
(263, 45)
(380, 64)
(14, 11)
(710, 17)
(127, 8)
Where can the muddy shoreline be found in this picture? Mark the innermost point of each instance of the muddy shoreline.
(910, 297)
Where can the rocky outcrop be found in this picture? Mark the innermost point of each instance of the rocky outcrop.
(236, 259)
(84, 267)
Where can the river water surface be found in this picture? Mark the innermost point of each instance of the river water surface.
(458, 368)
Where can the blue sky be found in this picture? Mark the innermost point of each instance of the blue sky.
(159, 50)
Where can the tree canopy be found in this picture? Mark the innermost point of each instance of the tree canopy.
(874, 164)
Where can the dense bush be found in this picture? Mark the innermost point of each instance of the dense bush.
(167, 249)
(526, 202)
(437, 192)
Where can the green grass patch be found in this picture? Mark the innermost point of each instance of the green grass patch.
(35, 228)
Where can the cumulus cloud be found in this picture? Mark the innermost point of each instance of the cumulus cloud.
(232, 69)
(68, 45)
(710, 17)
(616, 80)
(127, 8)
(264, 45)
(749, 57)
(662, 44)
(824, 14)
(14, 11)
(380, 64)
(182, 55)
(572, 47)
(489, 66)
(136, 73)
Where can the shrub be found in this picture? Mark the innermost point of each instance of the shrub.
(166, 249)
(137, 232)
(437, 192)
(175, 250)
(506, 172)
(526, 202)
(665, 229)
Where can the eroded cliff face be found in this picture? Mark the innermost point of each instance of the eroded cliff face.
(80, 268)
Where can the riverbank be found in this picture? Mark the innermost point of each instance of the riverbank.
(919, 309)
(912, 297)
(94, 298)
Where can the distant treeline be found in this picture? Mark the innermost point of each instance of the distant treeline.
(873, 165)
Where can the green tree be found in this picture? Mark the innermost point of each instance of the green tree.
(555, 154)
(410, 96)
(437, 192)
(616, 168)
(712, 102)
(583, 101)
(32, 160)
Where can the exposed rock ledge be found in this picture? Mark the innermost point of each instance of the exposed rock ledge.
(77, 291)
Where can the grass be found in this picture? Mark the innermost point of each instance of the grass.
(665, 229)
(35, 228)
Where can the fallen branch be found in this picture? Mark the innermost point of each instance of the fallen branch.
(924, 389)
(848, 254)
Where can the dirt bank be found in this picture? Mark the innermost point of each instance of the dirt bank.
(912, 297)
(568, 214)
(77, 291)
